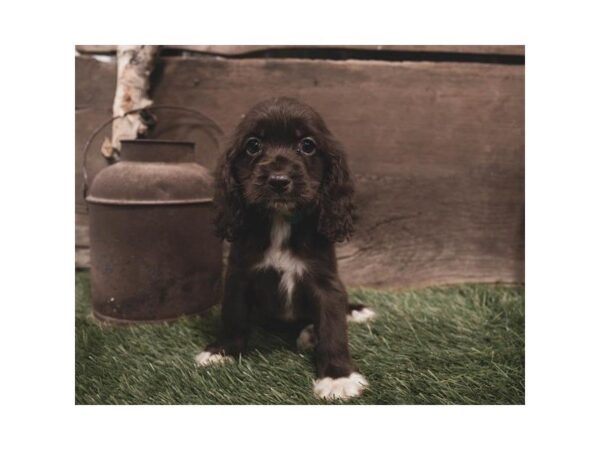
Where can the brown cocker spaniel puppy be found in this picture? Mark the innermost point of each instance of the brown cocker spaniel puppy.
(284, 197)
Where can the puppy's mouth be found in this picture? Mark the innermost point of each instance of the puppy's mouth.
(281, 205)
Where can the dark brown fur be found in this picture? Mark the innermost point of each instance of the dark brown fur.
(317, 202)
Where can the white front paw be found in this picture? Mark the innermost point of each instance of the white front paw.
(210, 359)
(340, 388)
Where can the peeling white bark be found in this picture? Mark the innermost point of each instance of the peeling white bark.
(134, 66)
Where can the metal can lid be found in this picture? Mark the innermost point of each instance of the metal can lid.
(153, 173)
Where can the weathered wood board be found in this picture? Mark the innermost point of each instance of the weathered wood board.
(237, 50)
(437, 150)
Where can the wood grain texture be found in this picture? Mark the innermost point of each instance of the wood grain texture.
(437, 151)
(237, 50)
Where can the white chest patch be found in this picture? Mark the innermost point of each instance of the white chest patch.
(281, 259)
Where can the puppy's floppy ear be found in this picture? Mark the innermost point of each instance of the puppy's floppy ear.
(228, 198)
(336, 218)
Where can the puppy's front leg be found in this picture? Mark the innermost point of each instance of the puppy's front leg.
(337, 378)
(234, 317)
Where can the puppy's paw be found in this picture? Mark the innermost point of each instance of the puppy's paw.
(307, 339)
(204, 359)
(340, 388)
(361, 315)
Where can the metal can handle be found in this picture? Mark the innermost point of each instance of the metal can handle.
(94, 133)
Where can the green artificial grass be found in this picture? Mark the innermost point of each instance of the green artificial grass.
(455, 345)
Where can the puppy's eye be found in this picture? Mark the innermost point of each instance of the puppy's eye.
(253, 146)
(308, 146)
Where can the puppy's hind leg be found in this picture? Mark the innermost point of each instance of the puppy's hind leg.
(307, 339)
(357, 312)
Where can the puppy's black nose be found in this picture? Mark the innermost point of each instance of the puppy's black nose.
(279, 183)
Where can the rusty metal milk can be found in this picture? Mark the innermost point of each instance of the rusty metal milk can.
(153, 254)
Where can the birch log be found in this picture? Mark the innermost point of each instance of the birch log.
(134, 66)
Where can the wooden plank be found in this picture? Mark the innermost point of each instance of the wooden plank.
(238, 50)
(437, 150)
